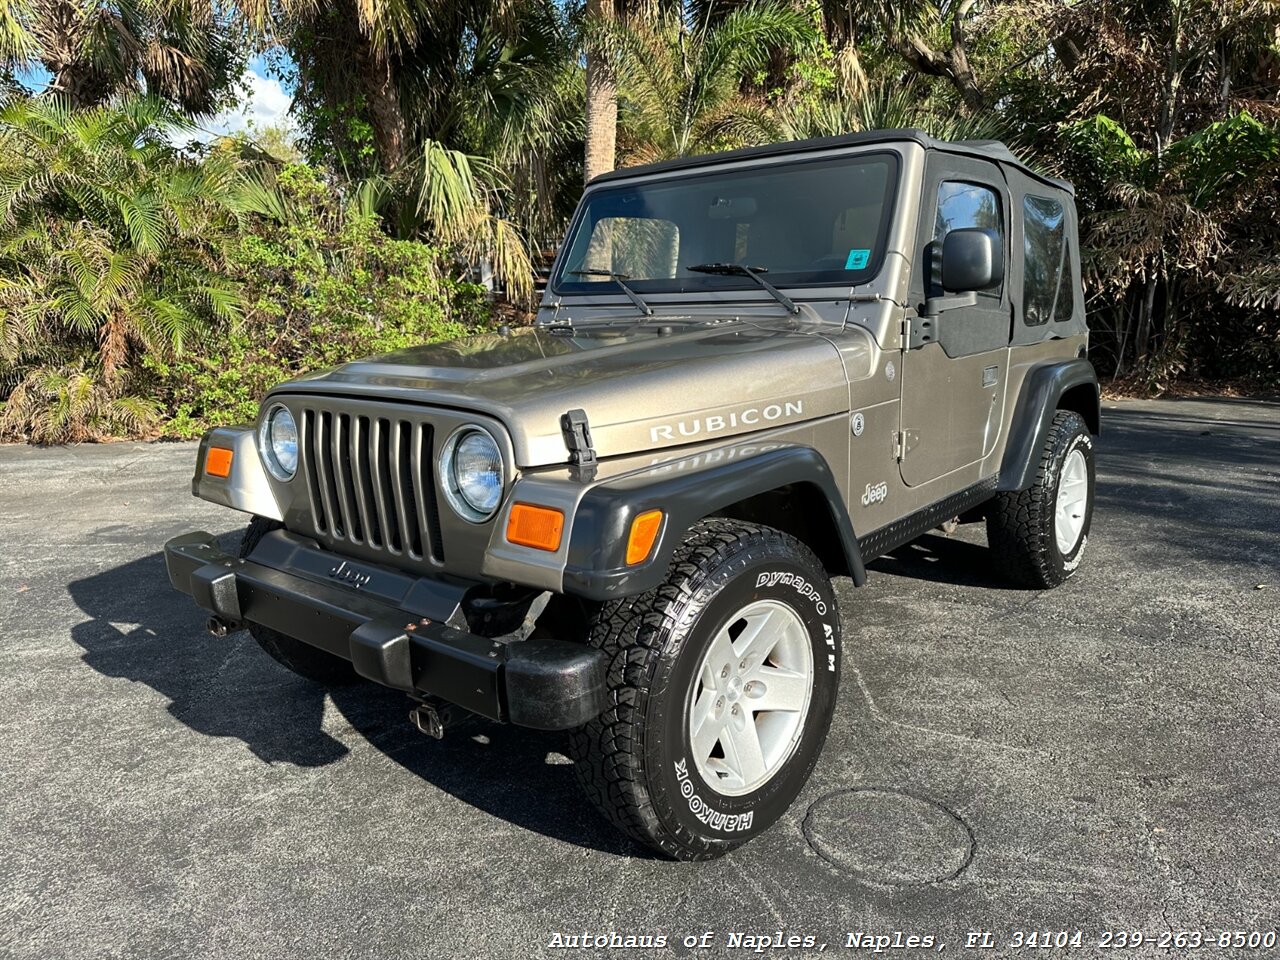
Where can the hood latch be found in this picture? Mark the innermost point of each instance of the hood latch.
(577, 438)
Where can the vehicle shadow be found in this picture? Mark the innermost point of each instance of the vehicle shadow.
(942, 559)
(142, 630)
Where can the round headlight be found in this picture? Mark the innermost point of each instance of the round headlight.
(471, 470)
(278, 441)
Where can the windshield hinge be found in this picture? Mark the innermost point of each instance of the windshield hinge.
(577, 438)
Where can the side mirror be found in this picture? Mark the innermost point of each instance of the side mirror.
(972, 259)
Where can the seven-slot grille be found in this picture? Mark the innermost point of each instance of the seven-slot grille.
(371, 482)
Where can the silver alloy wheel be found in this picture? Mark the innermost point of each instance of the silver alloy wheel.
(750, 697)
(1073, 499)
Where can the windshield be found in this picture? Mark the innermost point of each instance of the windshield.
(805, 223)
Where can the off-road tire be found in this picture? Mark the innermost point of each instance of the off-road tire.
(302, 658)
(1020, 525)
(633, 761)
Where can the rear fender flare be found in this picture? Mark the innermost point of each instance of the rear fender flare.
(1041, 398)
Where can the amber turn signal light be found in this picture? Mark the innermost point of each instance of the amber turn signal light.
(533, 526)
(217, 463)
(644, 531)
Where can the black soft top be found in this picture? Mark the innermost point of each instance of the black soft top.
(992, 150)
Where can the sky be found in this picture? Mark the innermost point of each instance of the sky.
(266, 105)
(266, 102)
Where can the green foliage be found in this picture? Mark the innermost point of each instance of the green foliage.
(139, 286)
(681, 84)
(1214, 161)
(323, 284)
(189, 53)
(1174, 224)
(109, 250)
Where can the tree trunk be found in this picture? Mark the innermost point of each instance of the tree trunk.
(951, 64)
(602, 99)
(962, 74)
(1143, 335)
(378, 84)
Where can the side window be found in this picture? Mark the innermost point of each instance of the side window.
(1047, 291)
(966, 205)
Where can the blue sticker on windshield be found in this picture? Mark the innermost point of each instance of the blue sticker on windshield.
(857, 259)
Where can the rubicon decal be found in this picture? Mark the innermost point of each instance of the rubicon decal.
(732, 420)
(724, 822)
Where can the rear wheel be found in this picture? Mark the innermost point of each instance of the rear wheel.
(722, 684)
(302, 658)
(1039, 535)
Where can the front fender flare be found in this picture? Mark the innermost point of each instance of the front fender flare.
(686, 491)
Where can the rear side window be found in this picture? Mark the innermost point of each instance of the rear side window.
(963, 205)
(1047, 289)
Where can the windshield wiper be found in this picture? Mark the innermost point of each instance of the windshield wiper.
(621, 280)
(742, 270)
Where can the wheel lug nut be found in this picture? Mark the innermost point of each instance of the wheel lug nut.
(735, 709)
(742, 665)
(725, 671)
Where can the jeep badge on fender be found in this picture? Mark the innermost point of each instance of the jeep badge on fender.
(750, 373)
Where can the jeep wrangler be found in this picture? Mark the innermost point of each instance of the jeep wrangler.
(750, 373)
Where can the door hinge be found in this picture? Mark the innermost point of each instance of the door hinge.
(904, 441)
(917, 331)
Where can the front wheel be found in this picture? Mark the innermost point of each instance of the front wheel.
(722, 685)
(1039, 535)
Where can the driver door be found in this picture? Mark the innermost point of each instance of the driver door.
(953, 388)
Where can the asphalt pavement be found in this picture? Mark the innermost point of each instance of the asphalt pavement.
(1102, 757)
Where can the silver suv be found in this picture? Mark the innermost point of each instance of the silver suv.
(751, 372)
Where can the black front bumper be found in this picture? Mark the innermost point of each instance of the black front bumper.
(546, 684)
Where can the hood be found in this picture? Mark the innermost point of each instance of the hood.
(642, 387)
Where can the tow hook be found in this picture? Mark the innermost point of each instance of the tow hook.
(430, 717)
(219, 627)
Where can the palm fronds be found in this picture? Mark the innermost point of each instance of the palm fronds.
(681, 83)
(106, 254)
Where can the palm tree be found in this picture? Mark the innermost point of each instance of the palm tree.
(601, 101)
(681, 83)
(1169, 119)
(932, 36)
(892, 104)
(409, 71)
(185, 51)
(105, 254)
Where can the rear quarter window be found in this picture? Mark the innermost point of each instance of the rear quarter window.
(1047, 289)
